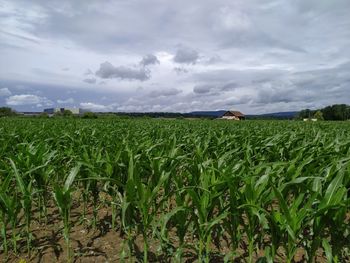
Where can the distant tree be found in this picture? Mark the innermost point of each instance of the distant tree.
(336, 112)
(305, 114)
(57, 114)
(89, 115)
(108, 116)
(67, 113)
(6, 111)
(328, 113)
(318, 115)
(43, 115)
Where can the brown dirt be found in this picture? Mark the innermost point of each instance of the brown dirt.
(101, 244)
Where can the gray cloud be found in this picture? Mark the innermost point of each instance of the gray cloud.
(258, 56)
(149, 59)
(180, 70)
(108, 71)
(90, 80)
(202, 89)
(164, 92)
(228, 86)
(88, 72)
(186, 55)
(214, 59)
(27, 99)
(5, 92)
(214, 89)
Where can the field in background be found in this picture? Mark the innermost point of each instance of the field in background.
(174, 190)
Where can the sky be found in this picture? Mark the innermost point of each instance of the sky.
(256, 56)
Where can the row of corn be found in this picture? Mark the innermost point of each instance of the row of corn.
(252, 191)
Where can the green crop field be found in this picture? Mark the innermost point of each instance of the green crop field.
(174, 191)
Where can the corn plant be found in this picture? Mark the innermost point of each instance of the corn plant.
(63, 198)
(199, 189)
(26, 191)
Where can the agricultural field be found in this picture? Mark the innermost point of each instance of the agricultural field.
(113, 190)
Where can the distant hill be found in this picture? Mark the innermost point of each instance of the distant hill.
(279, 115)
(282, 114)
(217, 114)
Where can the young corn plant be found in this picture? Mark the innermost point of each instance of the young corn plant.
(63, 198)
(331, 213)
(142, 197)
(8, 215)
(206, 212)
(26, 191)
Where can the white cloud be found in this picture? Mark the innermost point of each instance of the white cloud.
(5, 92)
(95, 107)
(27, 99)
(233, 19)
(67, 101)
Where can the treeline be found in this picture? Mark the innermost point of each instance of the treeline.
(7, 112)
(336, 112)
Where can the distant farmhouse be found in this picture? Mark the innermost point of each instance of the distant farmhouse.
(233, 115)
(75, 111)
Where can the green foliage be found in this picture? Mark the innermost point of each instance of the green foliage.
(319, 115)
(6, 112)
(57, 114)
(305, 114)
(44, 115)
(268, 188)
(336, 112)
(67, 113)
(89, 115)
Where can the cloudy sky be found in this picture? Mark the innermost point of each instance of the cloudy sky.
(256, 56)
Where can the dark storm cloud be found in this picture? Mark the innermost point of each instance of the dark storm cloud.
(108, 71)
(149, 59)
(186, 55)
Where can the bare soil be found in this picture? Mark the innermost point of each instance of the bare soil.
(102, 244)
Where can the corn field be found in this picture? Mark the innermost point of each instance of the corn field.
(175, 190)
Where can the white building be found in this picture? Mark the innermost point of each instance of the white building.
(75, 111)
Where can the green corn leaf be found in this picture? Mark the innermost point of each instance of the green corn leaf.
(69, 181)
(332, 190)
(18, 178)
(328, 250)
